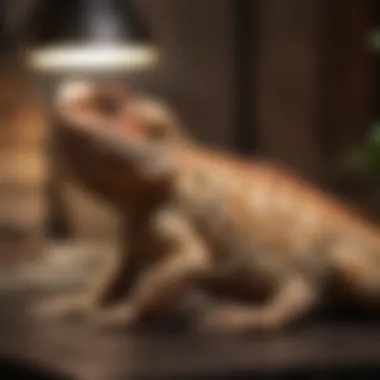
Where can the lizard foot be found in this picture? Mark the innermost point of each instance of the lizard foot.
(234, 320)
(119, 316)
(64, 307)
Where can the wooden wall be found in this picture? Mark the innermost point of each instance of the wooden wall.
(348, 76)
(288, 82)
(314, 82)
(197, 72)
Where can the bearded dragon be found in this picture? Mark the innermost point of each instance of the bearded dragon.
(275, 246)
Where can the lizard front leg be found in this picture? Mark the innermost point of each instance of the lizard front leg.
(294, 298)
(112, 279)
(158, 289)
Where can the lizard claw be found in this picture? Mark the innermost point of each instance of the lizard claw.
(122, 316)
(227, 320)
(65, 307)
(217, 321)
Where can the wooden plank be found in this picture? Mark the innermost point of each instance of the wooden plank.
(348, 77)
(288, 82)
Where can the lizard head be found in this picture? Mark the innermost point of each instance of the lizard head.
(131, 130)
(78, 101)
(149, 121)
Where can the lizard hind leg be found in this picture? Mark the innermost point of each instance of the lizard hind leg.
(294, 299)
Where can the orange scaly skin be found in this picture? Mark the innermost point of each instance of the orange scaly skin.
(203, 219)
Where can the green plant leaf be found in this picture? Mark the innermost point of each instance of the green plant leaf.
(374, 134)
(373, 40)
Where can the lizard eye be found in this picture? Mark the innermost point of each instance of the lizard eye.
(157, 132)
(108, 104)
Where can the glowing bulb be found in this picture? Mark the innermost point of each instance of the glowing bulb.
(93, 58)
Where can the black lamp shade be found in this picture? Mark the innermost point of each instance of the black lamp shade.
(90, 35)
(88, 21)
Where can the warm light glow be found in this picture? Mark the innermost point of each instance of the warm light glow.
(93, 57)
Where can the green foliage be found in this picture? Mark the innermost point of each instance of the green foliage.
(366, 161)
(373, 41)
(367, 158)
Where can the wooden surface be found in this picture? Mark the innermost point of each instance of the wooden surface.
(86, 353)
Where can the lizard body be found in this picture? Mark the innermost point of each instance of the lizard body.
(199, 218)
